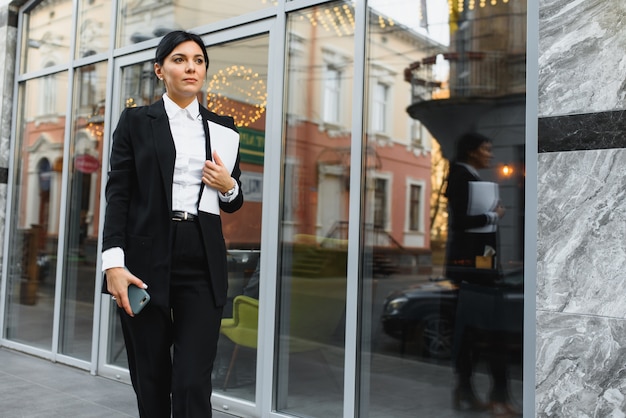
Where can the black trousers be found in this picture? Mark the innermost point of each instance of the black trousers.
(171, 349)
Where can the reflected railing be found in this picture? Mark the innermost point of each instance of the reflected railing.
(472, 74)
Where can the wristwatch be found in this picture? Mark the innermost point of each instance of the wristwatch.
(230, 192)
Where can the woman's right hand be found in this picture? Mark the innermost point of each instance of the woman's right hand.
(500, 211)
(118, 279)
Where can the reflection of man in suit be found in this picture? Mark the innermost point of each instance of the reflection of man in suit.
(162, 157)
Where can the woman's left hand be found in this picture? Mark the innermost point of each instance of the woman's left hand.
(216, 175)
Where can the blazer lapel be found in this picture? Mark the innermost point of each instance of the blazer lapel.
(205, 124)
(209, 155)
(164, 146)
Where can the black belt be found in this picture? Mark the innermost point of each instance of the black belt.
(179, 216)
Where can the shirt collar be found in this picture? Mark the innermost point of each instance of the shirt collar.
(192, 111)
(471, 169)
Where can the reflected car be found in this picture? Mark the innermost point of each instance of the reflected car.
(423, 316)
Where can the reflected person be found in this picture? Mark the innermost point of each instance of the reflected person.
(166, 187)
(474, 212)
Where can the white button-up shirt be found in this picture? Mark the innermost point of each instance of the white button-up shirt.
(190, 142)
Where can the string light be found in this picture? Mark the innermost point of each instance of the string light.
(96, 129)
(238, 91)
(340, 20)
(471, 5)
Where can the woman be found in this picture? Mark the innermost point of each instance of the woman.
(472, 233)
(163, 232)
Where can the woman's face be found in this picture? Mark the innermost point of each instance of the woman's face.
(183, 72)
(481, 156)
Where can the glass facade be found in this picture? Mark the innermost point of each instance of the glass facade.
(313, 254)
(83, 211)
(453, 77)
(345, 170)
(35, 210)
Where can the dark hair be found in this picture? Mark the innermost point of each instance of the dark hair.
(175, 38)
(467, 143)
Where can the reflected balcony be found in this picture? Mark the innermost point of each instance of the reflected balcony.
(480, 86)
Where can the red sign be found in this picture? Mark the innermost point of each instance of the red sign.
(86, 163)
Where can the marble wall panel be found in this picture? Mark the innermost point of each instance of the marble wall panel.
(8, 42)
(600, 130)
(582, 65)
(581, 242)
(581, 368)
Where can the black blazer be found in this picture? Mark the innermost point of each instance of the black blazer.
(463, 246)
(139, 200)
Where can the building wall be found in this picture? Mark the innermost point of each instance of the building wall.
(581, 314)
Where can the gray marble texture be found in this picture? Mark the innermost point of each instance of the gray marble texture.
(582, 64)
(8, 42)
(581, 242)
(581, 366)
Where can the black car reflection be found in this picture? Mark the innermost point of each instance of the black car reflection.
(423, 316)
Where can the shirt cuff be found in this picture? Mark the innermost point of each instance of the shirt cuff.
(232, 196)
(113, 257)
(492, 218)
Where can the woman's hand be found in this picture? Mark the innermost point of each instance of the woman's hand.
(500, 211)
(216, 175)
(118, 279)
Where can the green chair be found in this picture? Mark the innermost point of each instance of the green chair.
(242, 328)
(316, 306)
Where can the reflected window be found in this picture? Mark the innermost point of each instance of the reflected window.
(415, 207)
(291, 193)
(88, 85)
(379, 107)
(332, 94)
(380, 203)
(47, 35)
(140, 20)
(419, 135)
(47, 105)
(94, 27)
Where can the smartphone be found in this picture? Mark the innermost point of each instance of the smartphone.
(138, 298)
